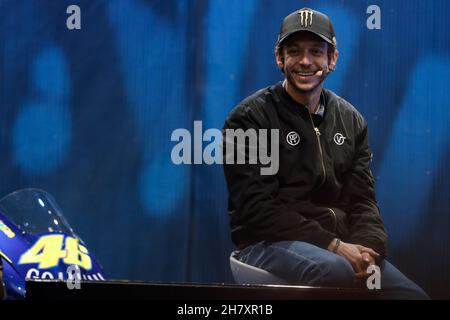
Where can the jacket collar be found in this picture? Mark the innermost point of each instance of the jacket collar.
(298, 107)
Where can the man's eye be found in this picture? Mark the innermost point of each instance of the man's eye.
(293, 51)
(316, 51)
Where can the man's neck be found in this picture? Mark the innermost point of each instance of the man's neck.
(309, 99)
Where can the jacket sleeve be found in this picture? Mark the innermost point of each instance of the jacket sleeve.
(255, 196)
(358, 200)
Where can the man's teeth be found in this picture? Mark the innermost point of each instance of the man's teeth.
(305, 73)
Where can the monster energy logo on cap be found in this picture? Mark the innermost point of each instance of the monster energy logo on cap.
(306, 17)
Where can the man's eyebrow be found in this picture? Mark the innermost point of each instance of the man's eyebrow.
(318, 44)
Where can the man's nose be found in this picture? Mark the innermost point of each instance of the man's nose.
(305, 60)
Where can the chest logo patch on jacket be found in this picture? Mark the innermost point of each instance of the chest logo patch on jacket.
(339, 139)
(293, 138)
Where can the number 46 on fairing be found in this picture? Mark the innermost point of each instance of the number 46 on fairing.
(48, 250)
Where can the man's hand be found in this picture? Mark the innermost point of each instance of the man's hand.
(368, 260)
(360, 257)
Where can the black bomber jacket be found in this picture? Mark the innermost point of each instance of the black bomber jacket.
(324, 187)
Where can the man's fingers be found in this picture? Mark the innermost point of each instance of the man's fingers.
(361, 275)
(365, 264)
(369, 251)
(372, 252)
(356, 266)
(368, 259)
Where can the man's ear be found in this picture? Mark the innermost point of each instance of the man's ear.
(333, 60)
(279, 57)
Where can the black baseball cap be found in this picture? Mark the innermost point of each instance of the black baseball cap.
(307, 19)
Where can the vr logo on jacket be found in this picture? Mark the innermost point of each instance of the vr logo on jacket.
(293, 138)
(339, 139)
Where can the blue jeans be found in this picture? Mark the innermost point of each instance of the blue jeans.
(301, 263)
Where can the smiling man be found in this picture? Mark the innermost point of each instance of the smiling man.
(316, 221)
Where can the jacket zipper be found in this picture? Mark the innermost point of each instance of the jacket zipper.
(320, 148)
(333, 214)
(317, 131)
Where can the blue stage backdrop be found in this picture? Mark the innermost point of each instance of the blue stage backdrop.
(88, 114)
